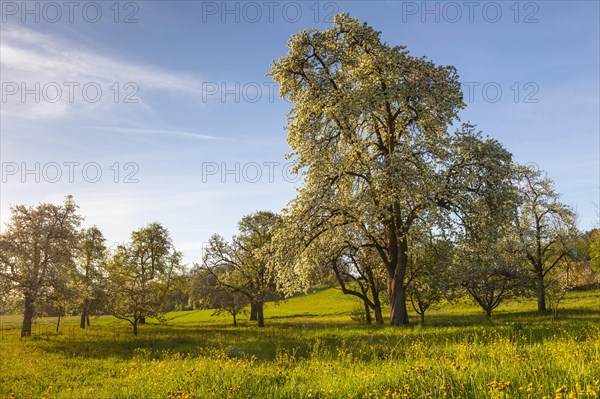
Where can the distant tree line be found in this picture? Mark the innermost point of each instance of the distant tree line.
(51, 266)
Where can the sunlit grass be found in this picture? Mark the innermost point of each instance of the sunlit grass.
(311, 348)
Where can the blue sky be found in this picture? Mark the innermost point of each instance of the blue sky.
(184, 97)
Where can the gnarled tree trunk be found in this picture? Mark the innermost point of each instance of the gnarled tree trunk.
(376, 304)
(259, 314)
(84, 316)
(396, 287)
(378, 314)
(398, 311)
(135, 325)
(368, 318)
(541, 293)
(27, 317)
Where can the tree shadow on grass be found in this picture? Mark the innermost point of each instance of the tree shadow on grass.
(575, 315)
(163, 341)
(306, 336)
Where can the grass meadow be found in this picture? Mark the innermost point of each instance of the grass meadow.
(311, 348)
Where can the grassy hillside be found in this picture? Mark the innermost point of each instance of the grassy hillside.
(329, 304)
(311, 348)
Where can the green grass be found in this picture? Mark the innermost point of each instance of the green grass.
(311, 348)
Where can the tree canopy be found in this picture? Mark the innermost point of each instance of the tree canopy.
(37, 252)
(369, 132)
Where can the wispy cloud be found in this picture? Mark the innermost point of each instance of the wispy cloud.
(30, 57)
(158, 132)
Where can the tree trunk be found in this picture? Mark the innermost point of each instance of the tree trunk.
(58, 323)
(27, 317)
(422, 317)
(376, 301)
(368, 318)
(377, 306)
(541, 293)
(378, 313)
(488, 313)
(234, 320)
(87, 319)
(397, 290)
(253, 315)
(83, 317)
(135, 326)
(398, 311)
(259, 314)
